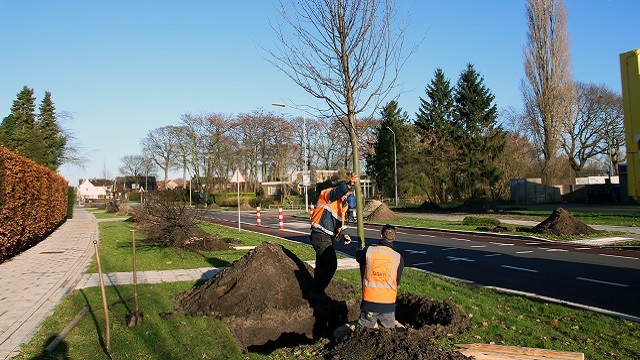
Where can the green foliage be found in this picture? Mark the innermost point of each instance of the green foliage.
(480, 221)
(71, 200)
(40, 139)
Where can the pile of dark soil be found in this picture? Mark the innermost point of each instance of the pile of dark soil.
(264, 300)
(561, 222)
(429, 207)
(372, 205)
(382, 213)
(387, 344)
(475, 205)
(246, 207)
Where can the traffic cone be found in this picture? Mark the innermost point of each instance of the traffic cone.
(258, 216)
(280, 219)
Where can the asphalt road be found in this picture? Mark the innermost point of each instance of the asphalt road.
(602, 279)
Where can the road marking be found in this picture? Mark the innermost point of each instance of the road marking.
(602, 282)
(459, 239)
(425, 235)
(543, 248)
(519, 268)
(490, 255)
(416, 251)
(532, 243)
(524, 252)
(447, 249)
(583, 248)
(423, 263)
(561, 250)
(622, 257)
(500, 244)
(478, 246)
(453, 258)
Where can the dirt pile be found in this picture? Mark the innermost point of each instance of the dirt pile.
(561, 222)
(429, 206)
(475, 205)
(382, 213)
(246, 207)
(264, 300)
(372, 205)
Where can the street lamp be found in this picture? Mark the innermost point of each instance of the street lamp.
(304, 145)
(395, 168)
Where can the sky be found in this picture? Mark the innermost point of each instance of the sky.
(123, 68)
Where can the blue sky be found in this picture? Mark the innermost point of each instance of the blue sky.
(123, 68)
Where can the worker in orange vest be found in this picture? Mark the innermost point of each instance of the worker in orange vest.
(381, 276)
(327, 223)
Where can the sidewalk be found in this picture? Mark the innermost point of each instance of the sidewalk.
(33, 283)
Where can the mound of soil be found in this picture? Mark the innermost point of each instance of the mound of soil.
(246, 207)
(372, 205)
(386, 344)
(475, 205)
(264, 300)
(429, 206)
(561, 222)
(382, 213)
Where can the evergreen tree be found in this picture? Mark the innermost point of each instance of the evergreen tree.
(23, 114)
(50, 134)
(438, 133)
(381, 163)
(8, 132)
(482, 139)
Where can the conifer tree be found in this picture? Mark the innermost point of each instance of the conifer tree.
(381, 162)
(51, 136)
(436, 129)
(23, 118)
(482, 139)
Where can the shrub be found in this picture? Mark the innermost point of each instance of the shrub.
(71, 200)
(480, 221)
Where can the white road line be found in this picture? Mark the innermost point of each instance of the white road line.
(423, 263)
(560, 250)
(447, 249)
(519, 268)
(478, 246)
(453, 258)
(459, 239)
(622, 257)
(532, 243)
(543, 248)
(416, 251)
(490, 255)
(424, 235)
(501, 244)
(524, 252)
(583, 248)
(602, 282)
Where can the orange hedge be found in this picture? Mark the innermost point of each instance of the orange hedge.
(33, 203)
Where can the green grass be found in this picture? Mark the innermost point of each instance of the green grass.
(496, 317)
(611, 218)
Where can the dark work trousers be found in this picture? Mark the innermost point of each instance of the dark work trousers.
(326, 260)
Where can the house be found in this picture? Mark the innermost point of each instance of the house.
(94, 189)
(170, 185)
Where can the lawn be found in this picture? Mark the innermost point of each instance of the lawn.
(496, 317)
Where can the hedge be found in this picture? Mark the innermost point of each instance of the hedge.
(33, 203)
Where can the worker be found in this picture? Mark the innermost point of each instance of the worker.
(327, 223)
(381, 274)
(351, 202)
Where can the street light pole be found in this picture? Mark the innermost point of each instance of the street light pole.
(395, 168)
(304, 145)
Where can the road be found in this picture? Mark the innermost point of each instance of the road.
(602, 279)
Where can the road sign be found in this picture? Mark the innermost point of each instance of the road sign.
(237, 178)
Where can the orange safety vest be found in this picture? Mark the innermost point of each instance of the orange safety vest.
(380, 281)
(327, 216)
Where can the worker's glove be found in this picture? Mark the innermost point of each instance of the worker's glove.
(347, 239)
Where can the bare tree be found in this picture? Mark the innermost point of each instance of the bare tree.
(161, 146)
(548, 93)
(347, 54)
(132, 165)
(592, 130)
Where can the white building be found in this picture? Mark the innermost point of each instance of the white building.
(94, 189)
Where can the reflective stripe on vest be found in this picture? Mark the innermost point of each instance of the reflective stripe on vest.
(328, 216)
(380, 282)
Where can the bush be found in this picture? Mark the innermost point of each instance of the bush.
(71, 200)
(480, 221)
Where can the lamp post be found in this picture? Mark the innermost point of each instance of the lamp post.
(304, 145)
(395, 168)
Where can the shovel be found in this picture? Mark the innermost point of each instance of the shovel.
(135, 317)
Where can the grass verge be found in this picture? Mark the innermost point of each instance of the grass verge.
(496, 317)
